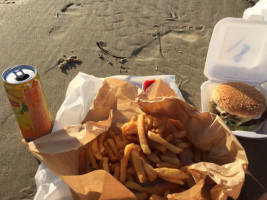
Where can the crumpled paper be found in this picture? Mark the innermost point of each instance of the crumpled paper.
(221, 173)
(72, 111)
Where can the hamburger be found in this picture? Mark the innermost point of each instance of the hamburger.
(241, 106)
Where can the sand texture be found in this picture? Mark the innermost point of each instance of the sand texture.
(104, 38)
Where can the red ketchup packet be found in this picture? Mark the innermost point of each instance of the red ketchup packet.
(147, 83)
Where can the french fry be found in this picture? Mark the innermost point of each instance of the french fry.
(175, 128)
(172, 180)
(82, 161)
(166, 193)
(171, 154)
(170, 159)
(178, 125)
(141, 195)
(177, 140)
(159, 147)
(183, 145)
(171, 173)
(153, 130)
(117, 172)
(105, 164)
(132, 138)
(168, 165)
(186, 169)
(131, 170)
(158, 139)
(179, 134)
(95, 148)
(112, 151)
(152, 175)
(112, 145)
(130, 177)
(138, 166)
(102, 137)
(137, 187)
(142, 134)
(120, 142)
(185, 158)
(124, 162)
(154, 158)
(137, 148)
(155, 197)
(169, 138)
(162, 127)
(112, 166)
(111, 155)
(156, 122)
(167, 186)
(92, 157)
(149, 122)
(130, 127)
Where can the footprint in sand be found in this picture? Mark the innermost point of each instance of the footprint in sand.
(57, 31)
(62, 26)
(173, 16)
(14, 2)
(72, 8)
(188, 33)
(8, 2)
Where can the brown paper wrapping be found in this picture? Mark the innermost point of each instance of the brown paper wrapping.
(221, 174)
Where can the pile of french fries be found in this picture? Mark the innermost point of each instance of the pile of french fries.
(149, 155)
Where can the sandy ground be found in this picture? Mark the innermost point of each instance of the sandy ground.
(154, 37)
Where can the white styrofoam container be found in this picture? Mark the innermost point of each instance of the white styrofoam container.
(237, 52)
(260, 9)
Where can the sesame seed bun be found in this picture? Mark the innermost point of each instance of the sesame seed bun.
(239, 99)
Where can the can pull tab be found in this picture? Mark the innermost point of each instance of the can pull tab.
(20, 75)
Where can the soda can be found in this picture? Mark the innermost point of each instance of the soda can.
(25, 94)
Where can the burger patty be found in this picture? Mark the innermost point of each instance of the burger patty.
(234, 119)
(256, 121)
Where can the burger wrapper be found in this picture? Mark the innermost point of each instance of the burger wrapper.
(221, 174)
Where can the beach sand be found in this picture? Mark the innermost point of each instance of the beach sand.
(141, 38)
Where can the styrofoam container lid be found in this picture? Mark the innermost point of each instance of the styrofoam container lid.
(238, 51)
(260, 9)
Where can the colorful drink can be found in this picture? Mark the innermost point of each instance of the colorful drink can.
(26, 97)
